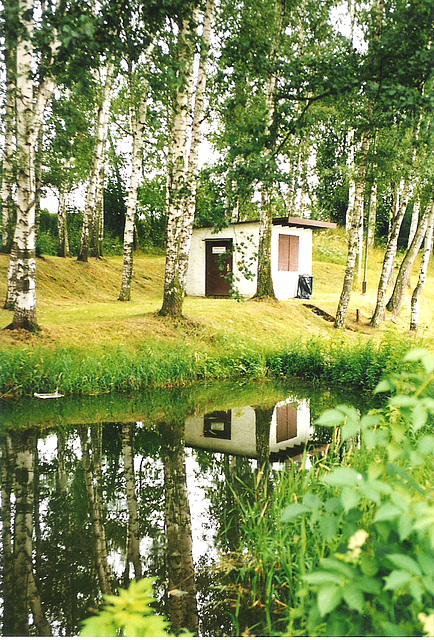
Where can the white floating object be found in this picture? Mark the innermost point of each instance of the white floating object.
(47, 396)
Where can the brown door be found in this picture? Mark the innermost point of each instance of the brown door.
(218, 265)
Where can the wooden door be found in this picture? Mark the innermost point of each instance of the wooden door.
(218, 265)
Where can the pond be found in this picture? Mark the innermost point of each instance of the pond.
(99, 490)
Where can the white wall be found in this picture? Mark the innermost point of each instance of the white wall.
(285, 282)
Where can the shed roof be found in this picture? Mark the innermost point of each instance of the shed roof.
(305, 223)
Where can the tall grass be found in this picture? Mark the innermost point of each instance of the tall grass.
(75, 371)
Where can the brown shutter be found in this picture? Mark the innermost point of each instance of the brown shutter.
(286, 419)
(293, 253)
(283, 252)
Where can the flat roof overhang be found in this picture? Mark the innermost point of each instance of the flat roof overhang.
(304, 223)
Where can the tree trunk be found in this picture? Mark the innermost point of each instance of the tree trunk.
(414, 317)
(7, 481)
(8, 165)
(93, 479)
(351, 180)
(264, 286)
(23, 273)
(404, 273)
(24, 448)
(21, 295)
(389, 259)
(133, 536)
(182, 587)
(263, 418)
(97, 163)
(353, 237)
(62, 227)
(138, 127)
(97, 235)
(372, 214)
(181, 184)
(414, 221)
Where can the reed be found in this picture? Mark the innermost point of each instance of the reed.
(77, 371)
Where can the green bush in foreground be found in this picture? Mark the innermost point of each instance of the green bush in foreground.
(380, 581)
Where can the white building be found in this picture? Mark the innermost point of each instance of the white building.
(228, 258)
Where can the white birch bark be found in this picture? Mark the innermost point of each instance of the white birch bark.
(389, 258)
(92, 480)
(8, 173)
(414, 221)
(21, 293)
(138, 128)
(415, 298)
(22, 268)
(181, 194)
(133, 535)
(62, 227)
(351, 180)
(97, 163)
(353, 236)
(372, 214)
(402, 279)
(7, 479)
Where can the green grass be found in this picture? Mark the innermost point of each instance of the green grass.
(90, 342)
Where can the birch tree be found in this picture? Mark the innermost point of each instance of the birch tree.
(94, 184)
(415, 298)
(133, 537)
(9, 120)
(139, 96)
(183, 159)
(21, 293)
(403, 278)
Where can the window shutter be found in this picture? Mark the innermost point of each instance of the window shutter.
(283, 252)
(293, 253)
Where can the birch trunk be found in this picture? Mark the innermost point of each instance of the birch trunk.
(389, 259)
(8, 169)
(414, 222)
(23, 258)
(351, 180)
(133, 536)
(196, 138)
(93, 490)
(353, 237)
(181, 187)
(404, 273)
(21, 293)
(7, 480)
(97, 164)
(415, 298)
(182, 587)
(23, 448)
(62, 227)
(139, 121)
(264, 287)
(372, 214)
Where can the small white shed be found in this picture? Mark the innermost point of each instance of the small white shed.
(233, 250)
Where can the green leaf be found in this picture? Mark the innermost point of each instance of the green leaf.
(350, 498)
(387, 511)
(333, 505)
(331, 418)
(407, 563)
(405, 526)
(403, 401)
(328, 525)
(344, 477)
(292, 511)
(383, 386)
(397, 579)
(426, 444)
(419, 416)
(337, 565)
(369, 491)
(354, 598)
(369, 566)
(323, 577)
(421, 355)
(369, 584)
(350, 430)
(329, 597)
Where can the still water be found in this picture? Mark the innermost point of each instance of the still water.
(100, 490)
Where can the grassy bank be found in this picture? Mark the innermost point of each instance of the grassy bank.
(92, 343)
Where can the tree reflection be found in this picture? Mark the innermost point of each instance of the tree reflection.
(180, 567)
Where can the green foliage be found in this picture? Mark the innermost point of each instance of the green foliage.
(380, 580)
(128, 614)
